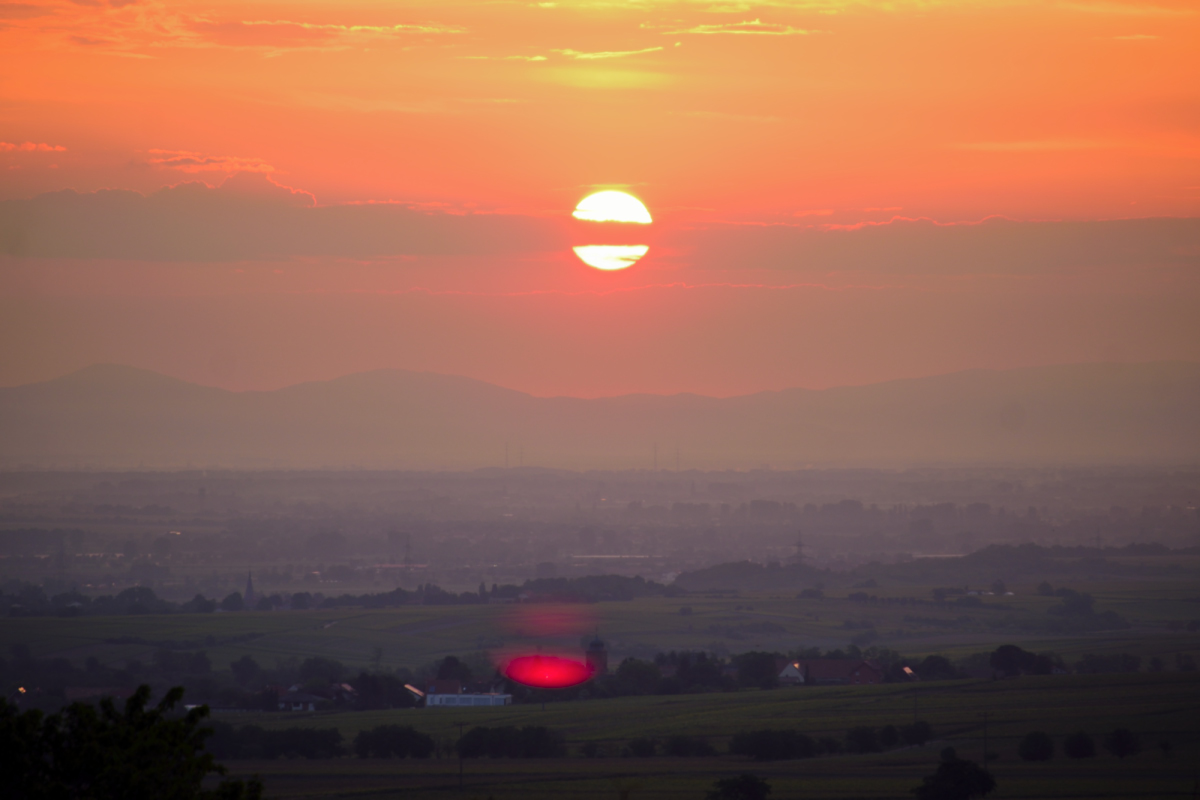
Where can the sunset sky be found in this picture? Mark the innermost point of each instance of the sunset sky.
(842, 192)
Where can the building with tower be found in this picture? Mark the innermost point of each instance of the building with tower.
(249, 598)
(597, 656)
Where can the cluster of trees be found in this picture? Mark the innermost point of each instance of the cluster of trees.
(31, 600)
(252, 741)
(528, 741)
(393, 741)
(778, 745)
(1039, 745)
(679, 745)
(1009, 660)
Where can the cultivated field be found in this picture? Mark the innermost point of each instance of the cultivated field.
(1161, 708)
(412, 636)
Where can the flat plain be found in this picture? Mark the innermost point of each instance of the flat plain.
(904, 619)
(1159, 707)
(1162, 707)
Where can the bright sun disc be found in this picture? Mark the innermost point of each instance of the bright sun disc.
(612, 206)
(610, 257)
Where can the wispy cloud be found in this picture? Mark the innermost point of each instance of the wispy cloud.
(291, 34)
(1033, 146)
(504, 58)
(430, 28)
(814, 212)
(733, 117)
(31, 147)
(580, 56)
(187, 161)
(24, 11)
(1137, 37)
(754, 27)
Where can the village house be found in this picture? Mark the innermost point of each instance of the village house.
(831, 672)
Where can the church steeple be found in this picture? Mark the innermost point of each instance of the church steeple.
(597, 656)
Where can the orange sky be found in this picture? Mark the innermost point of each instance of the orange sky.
(730, 120)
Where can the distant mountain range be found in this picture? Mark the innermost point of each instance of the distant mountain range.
(120, 417)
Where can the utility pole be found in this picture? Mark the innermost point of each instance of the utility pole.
(460, 753)
(985, 739)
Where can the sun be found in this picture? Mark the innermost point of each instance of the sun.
(610, 257)
(612, 206)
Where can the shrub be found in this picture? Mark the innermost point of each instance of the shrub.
(863, 739)
(1079, 745)
(773, 745)
(530, 741)
(743, 787)
(1123, 742)
(1012, 660)
(686, 746)
(643, 747)
(393, 741)
(1036, 746)
(1118, 662)
(828, 744)
(638, 677)
(251, 741)
(757, 668)
(319, 669)
(937, 668)
(888, 736)
(918, 733)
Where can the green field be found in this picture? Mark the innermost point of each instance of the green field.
(412, 636)
(1159, 706)
(1162, 707)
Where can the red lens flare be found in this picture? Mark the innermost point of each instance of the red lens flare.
(540, 620)
(548, 672)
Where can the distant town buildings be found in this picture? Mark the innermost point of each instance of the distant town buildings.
(441, 692)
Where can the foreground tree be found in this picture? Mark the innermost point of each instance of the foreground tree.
(955, 779)
(85, 753)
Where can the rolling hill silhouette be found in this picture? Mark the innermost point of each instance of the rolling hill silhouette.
(120, 417)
